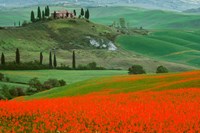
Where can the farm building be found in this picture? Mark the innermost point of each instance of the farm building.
(62, 14)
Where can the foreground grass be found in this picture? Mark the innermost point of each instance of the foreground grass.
(125, 84)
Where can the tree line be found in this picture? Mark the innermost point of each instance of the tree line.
(41, 15)
(52, 59)
(38, 64)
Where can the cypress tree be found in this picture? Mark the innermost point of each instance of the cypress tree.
(50, 60)
(39, 16)
(67, 14)
(19, 23)
(17, 56)
(74, 60)
(43, 15)
(41, 58)
(54, 61)
(82, 12)
(48, 11)
(74, 12)
(87, 14)
(45, 11)
(54, 15)
(32, 16)
(2, 59)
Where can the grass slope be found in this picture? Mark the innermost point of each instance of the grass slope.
(149, 19)
(125, 84)
(175, 46)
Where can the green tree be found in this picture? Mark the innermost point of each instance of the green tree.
(87, 14)
(122, 22)
(41, 58)
(17, 56)
(162, 69)
(48, 11)
(54, 61)
(82, 12)
(136, 69)
(2, 59)
(32, 16)
(54, 15)
(19, 23)
(92, 66)
(43, 15)
(45, 11)
(74, 60)
(50, 60)
(39, 15)
(74, 12)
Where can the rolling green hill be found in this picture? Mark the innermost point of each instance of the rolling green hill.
(125, 84)
(175, 46)
(149, 19)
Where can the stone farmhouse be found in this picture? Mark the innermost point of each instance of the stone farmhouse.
(62, 14)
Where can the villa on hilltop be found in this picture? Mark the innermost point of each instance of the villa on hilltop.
(62, 14)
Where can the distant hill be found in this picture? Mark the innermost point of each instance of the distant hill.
(194, 10)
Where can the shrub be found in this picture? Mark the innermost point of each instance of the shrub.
(13, 92)
(136, 69)
(1, 76)
(31, 91)
(6, 79)
(2, 97)
(51, 83)
(20, 91)
(5, 92)
(92, 65)
(35, 83)
(162, 69)
(62, 82)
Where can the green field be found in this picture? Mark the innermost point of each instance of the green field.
(69, 76)
(125, 84)
(149, 19)
(175, 46)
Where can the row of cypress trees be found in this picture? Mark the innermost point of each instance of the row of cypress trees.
(40, 14)
(52, 61)
(17, 57)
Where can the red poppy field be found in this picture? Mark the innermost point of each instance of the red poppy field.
(166, 111)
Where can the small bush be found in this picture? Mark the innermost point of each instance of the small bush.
(13, 92)
(136, 69)
(6, 79)
(35, 83)
(92, 65)
(162, 69)
(1, 76)
(2, 97)
(5, 92)
(62, 82)
(51, 83)
(20, 91)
